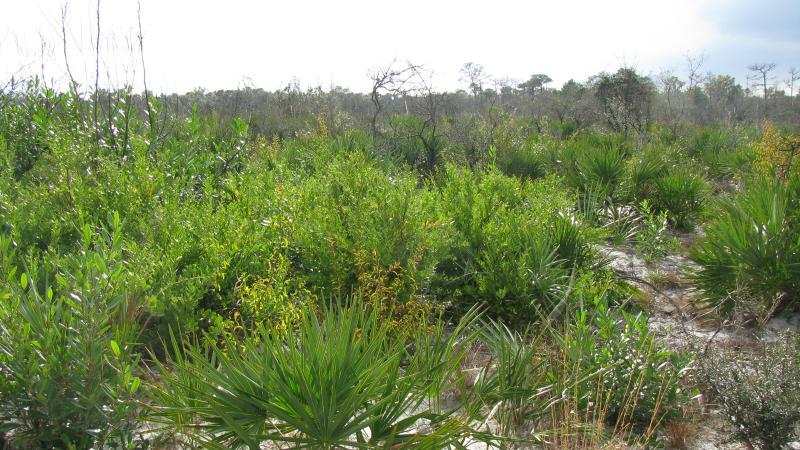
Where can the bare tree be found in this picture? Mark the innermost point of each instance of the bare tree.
(430, 102)
(694, 67)
(96, 100)
(794, 75)
(388, 80)
(675, 106)
(761, 73)
(150, 116)
(474, 75)
(72, 82)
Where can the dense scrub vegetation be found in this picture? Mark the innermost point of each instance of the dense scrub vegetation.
(431, 282)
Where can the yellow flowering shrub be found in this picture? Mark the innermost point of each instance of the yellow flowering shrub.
(777, 151)
(277, 301)
(393, 291)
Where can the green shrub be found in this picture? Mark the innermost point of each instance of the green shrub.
(643, 172)
(514, 383)
(351, 218)
(682, 195)
(565, 129)
(726, 152)
(620, 223)
(502, 248)
(653, 240)
(601, 166)
(622, 373)
(69, 353)
(753, 248)
(413, 141)
(276, 301)
(343, 382)
(519, 275)
(520, 162)
(468, 139)
(194, 252)
(760, 392)
(588, 161)
(571, 240)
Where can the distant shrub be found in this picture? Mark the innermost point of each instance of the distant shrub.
(566, 128)
(414, 143)
(468, 139)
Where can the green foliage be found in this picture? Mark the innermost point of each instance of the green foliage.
(620, 370)
(571, 240)
(352, 210)
(234, 237)
(643, 172)
(601, 167)
(69, 352)
(726, 152)
(682, 194)
(342, 382)
(590, 162)
(276, 301)
(753, 248)
(653, 240)
(521, 162)
(620, 223)
(26, 123)
(759, 393)
(503, 251)
(515, 386)
(566, 128)
(415, 142)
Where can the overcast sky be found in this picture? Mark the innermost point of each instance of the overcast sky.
(225, 44)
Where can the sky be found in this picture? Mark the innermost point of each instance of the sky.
(267, 44)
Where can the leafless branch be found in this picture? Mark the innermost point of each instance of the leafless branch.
(150, 117)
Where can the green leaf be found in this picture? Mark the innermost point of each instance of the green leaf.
(135, 384)
(115, 348)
